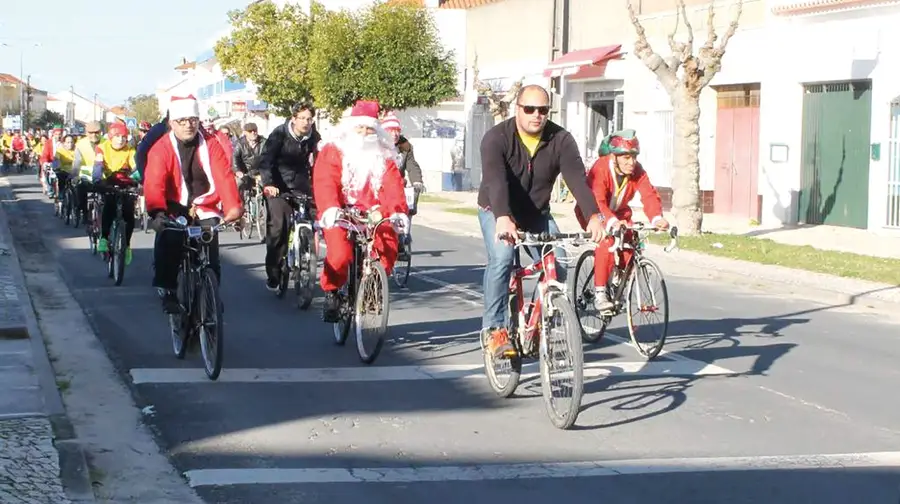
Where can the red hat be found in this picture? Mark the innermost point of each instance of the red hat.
(118, 128)
(390, 121)
(363, 113)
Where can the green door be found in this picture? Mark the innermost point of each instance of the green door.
(834, 181)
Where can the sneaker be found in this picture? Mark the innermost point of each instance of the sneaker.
(169, 301)
(602, 302)
(497, 343)
(272, 284)
(128, 256)
(331, 308)
(103, 245)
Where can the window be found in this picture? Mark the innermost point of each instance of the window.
(233, 84)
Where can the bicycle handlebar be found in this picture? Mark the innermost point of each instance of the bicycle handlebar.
(619, 235)
(524, 238)
(204, 233)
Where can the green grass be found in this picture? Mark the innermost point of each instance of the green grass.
(429, 198)
(765, 251)
(462, 211)
(63, 384)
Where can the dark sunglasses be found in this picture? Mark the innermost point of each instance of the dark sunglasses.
(530, 109)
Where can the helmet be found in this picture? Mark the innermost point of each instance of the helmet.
(144, 126)
(621, 142)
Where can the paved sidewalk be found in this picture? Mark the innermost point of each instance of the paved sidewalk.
(825, 288)
(35, 454)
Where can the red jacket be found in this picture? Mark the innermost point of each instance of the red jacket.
(164, 182)
(49, 152)
(226, 144)
(328, 190)
(613, 201)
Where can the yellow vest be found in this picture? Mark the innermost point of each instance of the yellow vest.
(86, 150)
(65, 158)
(115, 160)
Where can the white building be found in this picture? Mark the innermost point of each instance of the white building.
(78, 108)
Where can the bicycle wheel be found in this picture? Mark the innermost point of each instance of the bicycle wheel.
(178, 322)
(404, 262)
(495, 367)
(305, 282)
(561, 352)
(373, 306)
(649, 301)
(118, 252)
(582, 295)
(109, 255)
(211, 326)
(261, 219)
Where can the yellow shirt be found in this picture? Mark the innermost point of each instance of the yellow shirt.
(86, 150)
(65, 158)
(115, 160)
(531, 142)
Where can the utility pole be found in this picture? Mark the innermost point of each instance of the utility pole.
(25, 105)
(559, 45)
(95, 106)
(71, 119)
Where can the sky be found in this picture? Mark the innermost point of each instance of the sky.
(115, 52)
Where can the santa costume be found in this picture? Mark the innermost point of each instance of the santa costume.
(164, 180)
(343, 177)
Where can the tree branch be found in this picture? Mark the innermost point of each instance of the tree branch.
(710, 54)
(664, 71)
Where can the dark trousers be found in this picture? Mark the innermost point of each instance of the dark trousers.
(279, 217)
(109, 215)
(168, 252)
(82, 189)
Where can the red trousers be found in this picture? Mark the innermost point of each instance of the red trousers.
(339, 255)
(604, 260)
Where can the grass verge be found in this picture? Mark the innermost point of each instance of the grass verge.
(430, 198)
(765, 251)
(462, 211)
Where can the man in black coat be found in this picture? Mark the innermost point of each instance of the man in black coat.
(285, 166)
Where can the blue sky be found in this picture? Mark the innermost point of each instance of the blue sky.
(115, 50)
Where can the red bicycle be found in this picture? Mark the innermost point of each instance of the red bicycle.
(545, 328)
(629, 288)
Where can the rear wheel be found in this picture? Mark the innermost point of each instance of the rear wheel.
(562, 361)
(373, 306)
(582, 294)
(503, 373)
(211, 326)
(404, 261)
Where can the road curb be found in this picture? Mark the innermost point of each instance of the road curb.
(74, 472)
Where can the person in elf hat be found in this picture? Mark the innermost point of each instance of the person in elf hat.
(114, 166)
(406, 160)
(357, 168)
(615, 178)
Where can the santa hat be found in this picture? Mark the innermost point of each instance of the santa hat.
(363, 113)
(390, 121)
(182, 107)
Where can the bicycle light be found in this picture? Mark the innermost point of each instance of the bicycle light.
(182, 221)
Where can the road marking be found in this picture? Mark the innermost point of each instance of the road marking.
(603, 468)
(411, 373)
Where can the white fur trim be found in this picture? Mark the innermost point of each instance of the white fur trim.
(611, 224)
(183, 108)
(353, 121)
(656, 219)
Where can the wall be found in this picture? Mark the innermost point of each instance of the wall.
(868, 48)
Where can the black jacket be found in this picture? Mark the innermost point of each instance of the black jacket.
(517, 185)
(246, 158)
(286, 161)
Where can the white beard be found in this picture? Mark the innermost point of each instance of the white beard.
(362, 163)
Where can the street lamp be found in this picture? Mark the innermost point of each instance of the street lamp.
(22, 91)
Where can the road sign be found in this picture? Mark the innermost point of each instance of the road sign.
(131, 122)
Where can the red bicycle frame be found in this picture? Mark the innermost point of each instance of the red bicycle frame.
(545, 266)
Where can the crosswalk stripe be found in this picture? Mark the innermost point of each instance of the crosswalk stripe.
(407, 373)
(275, 476)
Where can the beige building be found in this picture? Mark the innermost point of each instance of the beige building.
(11, 93)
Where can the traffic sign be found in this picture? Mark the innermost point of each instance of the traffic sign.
(131, 123)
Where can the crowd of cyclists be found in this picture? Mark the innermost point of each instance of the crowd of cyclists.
(356, 183)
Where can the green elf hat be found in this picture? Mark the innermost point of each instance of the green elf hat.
(620, 142)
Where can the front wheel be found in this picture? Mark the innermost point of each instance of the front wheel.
(645, 300)
(262, 213)
(373, 306)
(118, 252)
(179, 322)
(212, 330)
(562, 361)
(305, 282)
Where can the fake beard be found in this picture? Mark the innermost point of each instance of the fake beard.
(363, 160)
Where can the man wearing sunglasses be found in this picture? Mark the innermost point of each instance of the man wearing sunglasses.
(521, 159)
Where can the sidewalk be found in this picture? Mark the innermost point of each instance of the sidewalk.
(39, 461)
(824, 288)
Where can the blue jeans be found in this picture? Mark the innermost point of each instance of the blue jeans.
(499, 268)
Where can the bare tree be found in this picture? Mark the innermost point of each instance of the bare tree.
(684, 75)
(498, 99)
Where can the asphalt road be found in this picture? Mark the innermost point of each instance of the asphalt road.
(766, 385)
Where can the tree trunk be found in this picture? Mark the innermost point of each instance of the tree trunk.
(686, 198)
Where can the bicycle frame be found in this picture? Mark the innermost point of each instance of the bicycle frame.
(638, 233)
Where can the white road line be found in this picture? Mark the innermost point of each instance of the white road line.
(228, 477)
(412, 373)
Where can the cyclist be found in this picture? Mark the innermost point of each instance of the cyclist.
(48, 154)
(187, 174)
(406, 159)
(156, 132)
(62, 162)
(615, 178)
(246, 156)
(285, 165)
(357, 169)
(83, 165)
(521, 159)
(114, 166)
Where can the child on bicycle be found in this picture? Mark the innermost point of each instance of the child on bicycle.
(615, 178)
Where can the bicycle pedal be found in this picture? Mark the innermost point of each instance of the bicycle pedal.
(509, 354)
